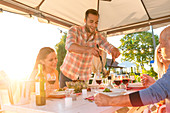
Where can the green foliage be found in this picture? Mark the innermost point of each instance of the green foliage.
(152, 73)
(138, 47)
(132, 74)
(61, 51)
(144, 71)
(135, 76)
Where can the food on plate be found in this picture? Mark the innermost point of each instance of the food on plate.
(101, 87)
(88, 89)
(61, 89)
(77, 85)
(107, 90)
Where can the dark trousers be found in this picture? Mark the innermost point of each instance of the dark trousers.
(63, 80)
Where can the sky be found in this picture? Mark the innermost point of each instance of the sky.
(21, 38)
(20, 41)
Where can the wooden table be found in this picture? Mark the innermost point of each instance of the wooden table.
(58, 106)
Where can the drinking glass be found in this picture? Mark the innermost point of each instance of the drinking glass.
(125, 80)
(118, 80)
(51, 78)
(98, 79)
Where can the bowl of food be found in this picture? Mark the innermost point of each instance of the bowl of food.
(60, 91)
(107, 90)
(77, 85)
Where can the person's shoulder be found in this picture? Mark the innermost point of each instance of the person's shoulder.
(33, 74)
(75, 27)
(101, 35)
(56, 71)
(168, 71)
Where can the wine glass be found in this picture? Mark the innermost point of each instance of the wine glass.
(118, 80)
(51, 79)
(98, 79)
(125, 80)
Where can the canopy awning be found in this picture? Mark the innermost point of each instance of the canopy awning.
(126, 64)
(114, 65)
(116, 16)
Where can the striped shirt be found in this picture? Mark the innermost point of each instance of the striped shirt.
(77, 65)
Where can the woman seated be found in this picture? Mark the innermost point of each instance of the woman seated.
(48, 58)
(159, 68)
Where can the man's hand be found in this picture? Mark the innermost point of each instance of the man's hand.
(94, 51)
(115, 53)
(147, 80)
(102, 100)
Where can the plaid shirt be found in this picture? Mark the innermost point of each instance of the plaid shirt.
(77, 65)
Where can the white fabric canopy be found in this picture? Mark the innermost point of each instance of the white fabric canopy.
(116, 16)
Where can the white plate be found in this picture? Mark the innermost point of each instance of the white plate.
(118, 90)
(135, 85)
(93, 85)
(115, 92)
(58, 93)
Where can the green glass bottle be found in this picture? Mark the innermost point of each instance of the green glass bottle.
(40, 87)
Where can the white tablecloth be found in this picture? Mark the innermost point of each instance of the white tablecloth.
(58, 106)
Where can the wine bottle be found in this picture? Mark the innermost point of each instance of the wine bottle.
(40, 87)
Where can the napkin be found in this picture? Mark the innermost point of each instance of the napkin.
(78, 94)
(135, 88)
(91, 98)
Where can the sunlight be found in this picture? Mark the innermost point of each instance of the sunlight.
(20, 42)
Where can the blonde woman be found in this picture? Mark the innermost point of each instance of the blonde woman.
(158, 65)
(48, 58)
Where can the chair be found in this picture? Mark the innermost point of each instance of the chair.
(19, 92)
(162, 109)
(3, 94)
(141, 109)
(1, 110)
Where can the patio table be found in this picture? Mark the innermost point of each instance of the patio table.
(58, 106)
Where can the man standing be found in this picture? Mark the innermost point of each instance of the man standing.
(160, 90)
(81, 46)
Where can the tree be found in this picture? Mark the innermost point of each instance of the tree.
(138, 47)
(152, 73)
(61, 51)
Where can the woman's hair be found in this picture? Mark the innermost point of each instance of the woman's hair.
(42, 55)
(158, 66)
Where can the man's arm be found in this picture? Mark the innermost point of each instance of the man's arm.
(83, 49)
(109, 48)
(72, 46)
(115, 53)
(105, 100)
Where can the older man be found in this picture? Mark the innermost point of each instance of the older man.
(160, 90)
